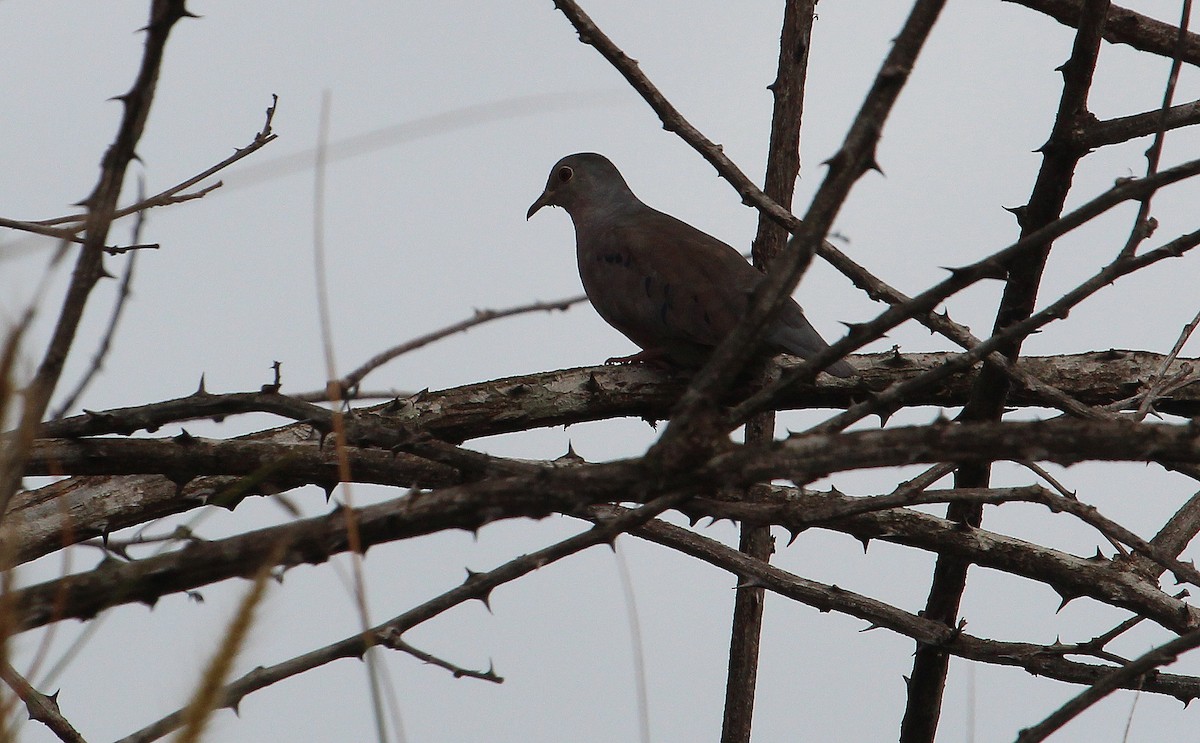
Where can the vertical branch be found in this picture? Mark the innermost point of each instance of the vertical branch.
(692, 422)
(1060, 155)
(89, 266)
(783, 167)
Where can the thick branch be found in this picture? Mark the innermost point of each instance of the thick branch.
(1124, 27)
(568, 488)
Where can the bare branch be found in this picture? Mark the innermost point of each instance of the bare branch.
(1037, 659)
(89, 267)
(478, 586)
(349, 383)
(42, 708)
(1123, 27)
(1126, 676)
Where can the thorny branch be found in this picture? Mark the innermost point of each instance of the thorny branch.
(409, 442)
(89, 266)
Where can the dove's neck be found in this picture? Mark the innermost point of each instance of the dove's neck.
(608, 208)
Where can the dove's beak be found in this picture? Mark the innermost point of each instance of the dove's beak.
(543, 200)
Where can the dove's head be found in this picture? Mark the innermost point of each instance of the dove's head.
(582, 182)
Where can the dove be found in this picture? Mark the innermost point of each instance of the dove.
(673, 290)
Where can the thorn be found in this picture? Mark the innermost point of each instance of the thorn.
(1065, 600)
(184, 438)
(749, 583)
(866, 542)
(201, 389)
(273, 387)
(570, 457)
(180, 480)
(896, 358)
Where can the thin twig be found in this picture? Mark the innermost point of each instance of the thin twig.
(124, 292)
(478, 586)
(349, 383)
(1143, 225)
(892, 397)
(174, 194)
(41, 707)
(1125, 676)
(1160, 381)
(394, 641)
(89, 268)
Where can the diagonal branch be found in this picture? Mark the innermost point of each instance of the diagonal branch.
(1060, 155)
(1123, 27)
(478, 586)
(89, 266)
(1036, 659)
(1128, 676)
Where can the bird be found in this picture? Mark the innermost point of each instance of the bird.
(673, 290)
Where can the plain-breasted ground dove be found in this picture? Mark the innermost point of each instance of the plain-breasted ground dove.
(673, 290)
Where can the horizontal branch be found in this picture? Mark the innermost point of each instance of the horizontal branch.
(271, 467)
(559, 398)
(1124, 128)
(85, 507)
(566, 489)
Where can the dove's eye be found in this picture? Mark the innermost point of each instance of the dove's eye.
(565, 174)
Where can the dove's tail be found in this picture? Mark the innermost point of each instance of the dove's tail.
(795, 334)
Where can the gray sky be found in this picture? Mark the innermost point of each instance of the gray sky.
(431, 225)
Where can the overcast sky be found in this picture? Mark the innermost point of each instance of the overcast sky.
(468, 105)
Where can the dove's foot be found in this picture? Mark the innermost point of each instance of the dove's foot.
(655, 357)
